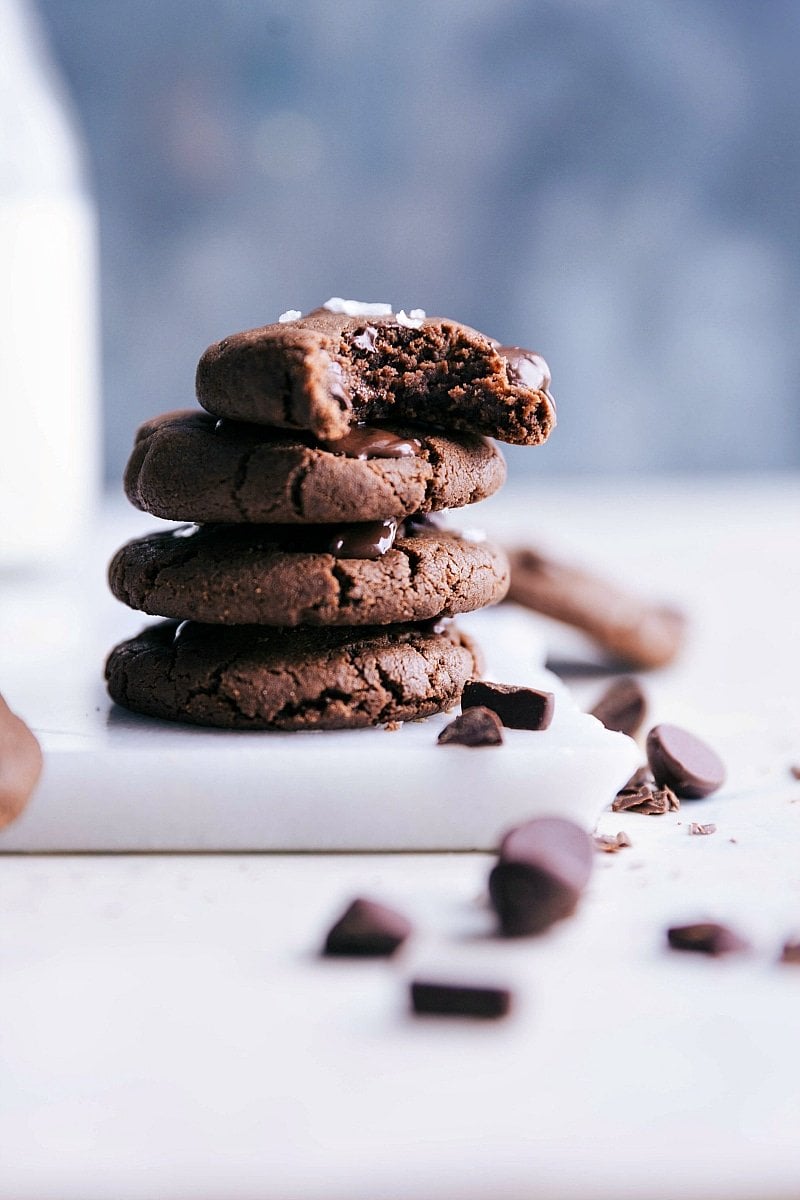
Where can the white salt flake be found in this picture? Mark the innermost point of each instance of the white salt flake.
(356, 308)
(412, 320)
(291, 314)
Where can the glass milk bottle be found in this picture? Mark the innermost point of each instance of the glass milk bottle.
(49, 444)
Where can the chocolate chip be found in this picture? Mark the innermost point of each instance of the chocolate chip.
(459, 999)
(367, 930)
(611, 843)
(682, 762)
(475, 727)
(622, 707)
(791, 953)
(702, 830)
(706, 938)
(517, 707)
(641, 795)
(543, 866)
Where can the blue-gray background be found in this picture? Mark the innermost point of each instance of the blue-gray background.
(614, 184)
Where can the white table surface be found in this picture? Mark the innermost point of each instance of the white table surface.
(167, 1028)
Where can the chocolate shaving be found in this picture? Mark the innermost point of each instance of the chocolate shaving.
(611, 843)
(641, 795)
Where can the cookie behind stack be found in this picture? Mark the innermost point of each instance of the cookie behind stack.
(310, 590)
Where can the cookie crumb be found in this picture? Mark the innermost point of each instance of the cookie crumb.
(791, 952)
(706, 937)
(703, 830)
(393, 726)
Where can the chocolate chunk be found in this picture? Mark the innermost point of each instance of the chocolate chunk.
(633, 631)
(611, 843)
(641, 795)
(20, 764)
(543, 866)
(367, 930)
(475, 727)
(791, 953)
(706, 938)
(459, 999)
(702, 830)
(622, 707)
(683, 763)
(366, 441)
(517, 707)
(794, 771)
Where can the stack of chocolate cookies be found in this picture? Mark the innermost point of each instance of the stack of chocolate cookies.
(312, 588)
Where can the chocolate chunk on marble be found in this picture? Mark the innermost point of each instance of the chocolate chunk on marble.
(367, 929)
(517, 707)
(459, 999)
(622, 706)
(683, 762)
(329, 370)
(20, 764)
(542, 868)
(257, 677)
(307, 575)
(633, 631)
(188, 466)
(475, 727)
(706, 937)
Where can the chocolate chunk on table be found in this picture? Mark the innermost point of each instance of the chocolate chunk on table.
(367, 930)
(475, 727)
(517, 707)
(542, 868)
(20, 764)
(622, 706)
(684, 763)
(459, 999)
(634, 631)
(706, 937)
(791, 953)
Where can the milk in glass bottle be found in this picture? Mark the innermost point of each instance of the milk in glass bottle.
(49, 447)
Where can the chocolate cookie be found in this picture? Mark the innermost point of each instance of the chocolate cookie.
(187, 466)
(286, 575)
(635, 632)
(254, 678)
(328, 370)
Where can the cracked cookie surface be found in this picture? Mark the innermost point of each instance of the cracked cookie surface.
(242, 677)
(324, 372)
(241, 575)
(187, 466)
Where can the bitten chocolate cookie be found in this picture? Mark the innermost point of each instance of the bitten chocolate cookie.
(328, 370)
(255, 678)
(288, 575)
(187, 466)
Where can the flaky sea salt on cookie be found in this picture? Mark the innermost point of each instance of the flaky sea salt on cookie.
(350, 362)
